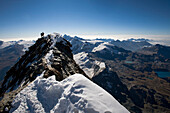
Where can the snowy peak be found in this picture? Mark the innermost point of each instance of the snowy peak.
(74, 94)
(50, 55)
(90, 66)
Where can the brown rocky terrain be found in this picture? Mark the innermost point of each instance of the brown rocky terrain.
(137, 86)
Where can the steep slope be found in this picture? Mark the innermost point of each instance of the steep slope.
(74, 94)
(109, 80)
(50, 55)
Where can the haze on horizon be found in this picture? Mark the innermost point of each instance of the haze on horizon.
(120, 19)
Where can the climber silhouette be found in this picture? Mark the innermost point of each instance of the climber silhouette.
(42, 34)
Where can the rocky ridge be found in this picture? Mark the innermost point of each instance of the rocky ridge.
(50, 55)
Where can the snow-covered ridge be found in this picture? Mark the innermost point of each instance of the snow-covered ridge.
(102, 46)
(42, 50)
(89, 66)
(56, 37)
(75, 94)
(84, 63)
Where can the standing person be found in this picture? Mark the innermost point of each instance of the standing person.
(42, 34)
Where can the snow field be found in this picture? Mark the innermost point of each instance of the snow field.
(75, 94)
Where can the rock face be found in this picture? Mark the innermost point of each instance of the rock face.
(50, 55)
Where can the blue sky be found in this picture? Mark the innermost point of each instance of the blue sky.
(88, 18)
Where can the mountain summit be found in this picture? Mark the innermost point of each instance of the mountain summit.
(50, 55)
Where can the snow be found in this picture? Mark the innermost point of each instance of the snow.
(49, 56)
(84, 63)
(75, 94)
(26, 44)
(100, 64)
(56, 37)
(6, 109)
(5, 44)
(87, 65)
(94, 41)
(100, 47)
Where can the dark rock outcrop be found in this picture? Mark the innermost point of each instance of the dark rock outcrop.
(1, 42)
(110, 81)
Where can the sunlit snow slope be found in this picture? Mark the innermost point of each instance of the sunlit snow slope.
(75, 94)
